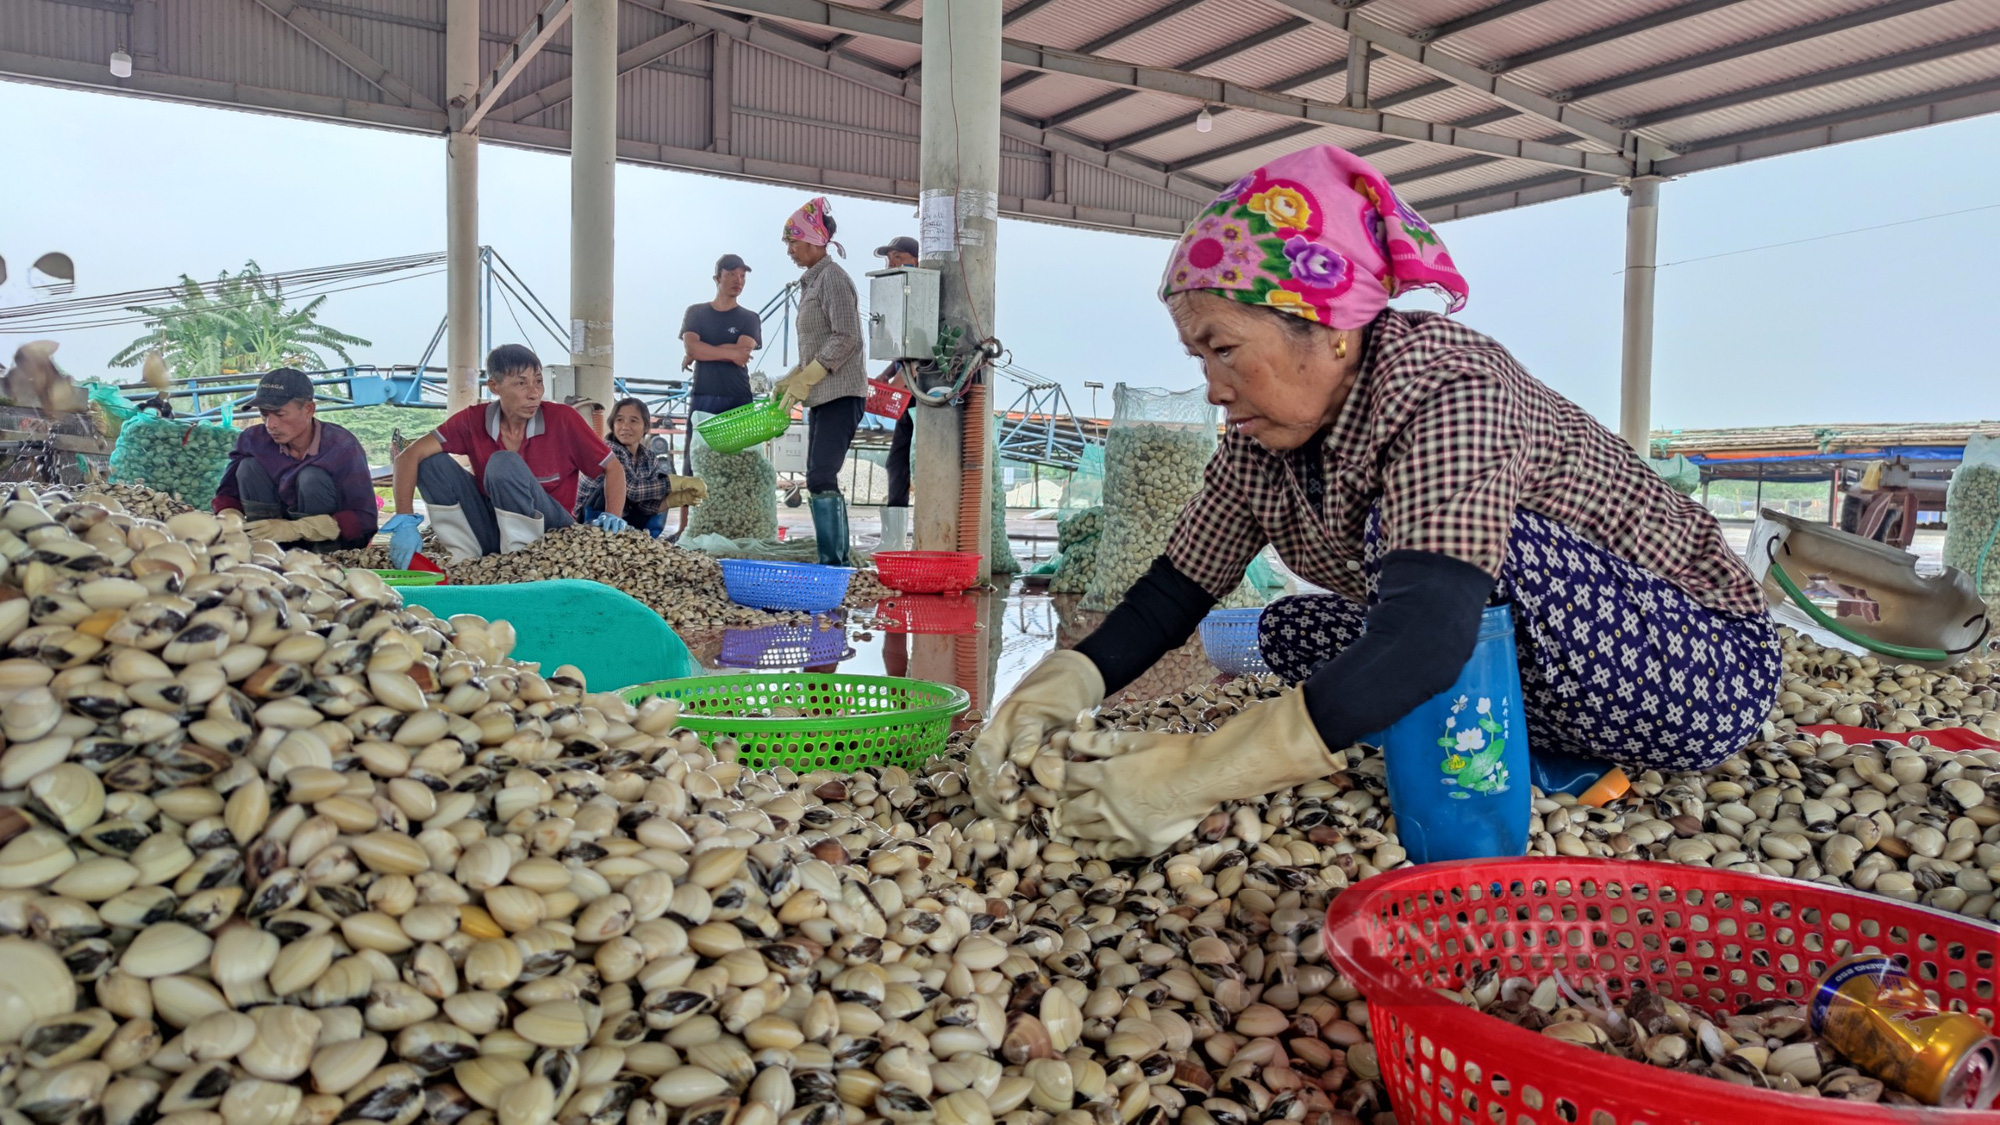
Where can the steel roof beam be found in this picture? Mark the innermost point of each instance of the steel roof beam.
(1445, 169)
(1608, 34)
(1116, 35)
(643, 54)
(1273, 32)
(1818, 78)
(1247, 144)
(1748, 47)
(1328, 14)
(1915, 111)
(1457, 198)
(1196, 87)
(839, 41)
(1085, 109)
(1217, 92)
(1415, 93)
(1479, 18)
(322, 35)
(781, 42)
(1244, 45)
(541, 27)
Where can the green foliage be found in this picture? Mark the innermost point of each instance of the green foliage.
(374, 425)
(241, 323)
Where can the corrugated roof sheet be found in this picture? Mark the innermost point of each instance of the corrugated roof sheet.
(1135, 157)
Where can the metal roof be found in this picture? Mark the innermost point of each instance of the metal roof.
(1470, 106)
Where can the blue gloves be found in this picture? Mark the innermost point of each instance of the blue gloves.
(403, 539)
(609, 522)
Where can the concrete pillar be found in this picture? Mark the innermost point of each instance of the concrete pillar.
(1357, 71)
(593, 162)
(1642, 244)
(461, 71)
(959, 204)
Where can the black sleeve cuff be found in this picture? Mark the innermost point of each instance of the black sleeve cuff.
(1417, 639)
(1157, 616)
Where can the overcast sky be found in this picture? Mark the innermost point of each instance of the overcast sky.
(1893, 324)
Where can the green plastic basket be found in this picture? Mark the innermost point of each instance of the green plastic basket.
(844, 723)
(734, 431)
(410, 577)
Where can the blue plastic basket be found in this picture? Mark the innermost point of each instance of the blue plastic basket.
(1229, 636)
(799, 587)
(780, 647)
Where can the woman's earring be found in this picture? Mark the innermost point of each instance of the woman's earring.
(1340, 347)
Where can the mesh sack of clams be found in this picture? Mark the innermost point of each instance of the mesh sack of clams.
(1001, 552)
(183, 458)
(742, 495)
(1074, 572)
(1972, 508)
(1160, 443)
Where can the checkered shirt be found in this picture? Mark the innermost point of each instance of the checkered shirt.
(646, 483)
(830, 331)
(1447, 436)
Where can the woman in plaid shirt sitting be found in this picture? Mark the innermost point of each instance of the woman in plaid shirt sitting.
(1411, 466)
(650, 491)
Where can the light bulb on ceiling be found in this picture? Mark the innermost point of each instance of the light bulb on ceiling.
(121, 64)
(1204, 121)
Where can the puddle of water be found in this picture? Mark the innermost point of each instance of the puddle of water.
(983, 643)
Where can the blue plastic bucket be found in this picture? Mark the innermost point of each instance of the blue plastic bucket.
(1458, 764)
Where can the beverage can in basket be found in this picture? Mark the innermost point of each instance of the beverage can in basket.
(1868, 1009)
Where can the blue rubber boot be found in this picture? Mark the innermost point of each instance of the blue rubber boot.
(829, 512)
(1458, 764)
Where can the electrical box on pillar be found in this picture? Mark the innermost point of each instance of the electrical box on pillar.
(902, 313)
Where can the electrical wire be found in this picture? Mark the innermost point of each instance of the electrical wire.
(1831, 234)
(511, 315)
(106, 310)
(145, 318)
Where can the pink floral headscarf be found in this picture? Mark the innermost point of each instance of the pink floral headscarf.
(808, 224)
(1318, 234)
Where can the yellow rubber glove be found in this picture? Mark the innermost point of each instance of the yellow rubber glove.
(1047, 700)
(684, 492)
(1153, 789)
(311, 529)
(803, 378)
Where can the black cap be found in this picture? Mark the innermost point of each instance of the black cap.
(905, 244)
(731, 262)
(281, 387)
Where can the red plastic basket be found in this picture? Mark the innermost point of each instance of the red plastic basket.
(928, 614)
(1716, 939)
(887, 401)
(928, 572)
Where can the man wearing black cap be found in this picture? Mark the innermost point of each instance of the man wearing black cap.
(720, 336)
(297, 480)
(898, 253)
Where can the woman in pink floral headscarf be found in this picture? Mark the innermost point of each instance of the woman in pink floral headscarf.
(1409, 465)
(830, 379)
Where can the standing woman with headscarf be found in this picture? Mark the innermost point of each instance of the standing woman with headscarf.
(830, 378)
(1410, 465)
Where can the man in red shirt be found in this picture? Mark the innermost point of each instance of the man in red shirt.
(526, 458)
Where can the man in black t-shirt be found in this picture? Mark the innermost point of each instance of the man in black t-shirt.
(720, 336)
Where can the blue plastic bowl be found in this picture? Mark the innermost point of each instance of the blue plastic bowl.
(780, 647)
(795, 587)
(1229, 636)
